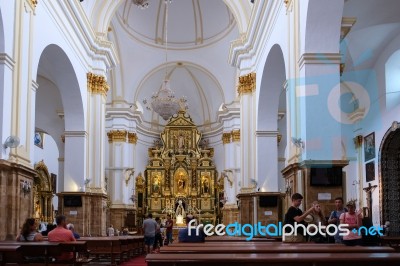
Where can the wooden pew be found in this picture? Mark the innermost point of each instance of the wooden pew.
(391, 241)
(275, 259)
(282, 248)
(104, 247)
(44, 252)
(8, 253)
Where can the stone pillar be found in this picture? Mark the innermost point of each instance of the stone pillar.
(97, 87)
(16, 204)
(122, 147)
(246, 88)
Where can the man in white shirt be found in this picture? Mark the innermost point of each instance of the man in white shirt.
(110, 230)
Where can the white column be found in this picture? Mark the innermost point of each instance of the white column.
(22, 98)
(122, 147)
(267, 161)
(75, 160)
(98, 88)
(247, 130)
(6, 81)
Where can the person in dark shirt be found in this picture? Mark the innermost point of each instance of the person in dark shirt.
(184, 236)
(294, 214)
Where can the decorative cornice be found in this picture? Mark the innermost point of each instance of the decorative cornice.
(247, 83)
(97, 84)
(347, 24)
(226, 138)
(117, 135)
(320, 58)
(236, 135)
(76, 134)
(132, 137)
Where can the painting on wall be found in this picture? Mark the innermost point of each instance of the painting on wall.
(370, 171)
(38, 139)
(369, 147)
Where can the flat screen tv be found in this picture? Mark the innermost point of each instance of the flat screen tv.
(326, 176)
(268, 201)
(72, 201)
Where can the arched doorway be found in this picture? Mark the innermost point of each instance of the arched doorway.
(389, 166)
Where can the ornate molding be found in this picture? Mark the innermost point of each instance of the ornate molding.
(247, 83)
(226, 138)
(117, 135)
(132, 137)
(288, 4)
(347, 24)
(63, 138)
(97, 84)
(236, 135)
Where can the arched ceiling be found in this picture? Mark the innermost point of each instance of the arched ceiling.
(377, 24)
(199, 37)
(198, 22)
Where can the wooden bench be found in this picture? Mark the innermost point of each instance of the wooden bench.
(251, 248)
(104, 247)
(391, 241)
(8, 253)
(275, 259)
(44, 252)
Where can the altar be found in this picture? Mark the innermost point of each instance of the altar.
(181, 177)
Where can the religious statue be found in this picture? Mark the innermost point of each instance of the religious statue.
(156, 184)
(180, 213)
(181, 184)
(206, 186)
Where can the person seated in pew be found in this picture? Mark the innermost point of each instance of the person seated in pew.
(184, 236)
(29, 231)
(72, 229)
(62, 234)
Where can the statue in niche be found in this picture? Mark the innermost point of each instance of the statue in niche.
(180, 213)
(181, 183)
(205, 186)
(156, 184)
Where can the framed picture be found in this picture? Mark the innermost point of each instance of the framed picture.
(369, 147)
(370, 171)
(38, 140)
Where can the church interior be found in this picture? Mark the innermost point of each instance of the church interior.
(221, 109)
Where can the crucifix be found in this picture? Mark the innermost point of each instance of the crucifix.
(369, 189)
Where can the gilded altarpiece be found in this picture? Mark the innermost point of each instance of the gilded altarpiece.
(181, 176)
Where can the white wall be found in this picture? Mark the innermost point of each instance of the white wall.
(49, 154)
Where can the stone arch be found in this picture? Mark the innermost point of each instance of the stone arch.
(56, 68)
(55, 65)
(389, 178)
(323, 22)
(271, 88)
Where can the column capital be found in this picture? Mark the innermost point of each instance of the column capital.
(236, 135)
(132, 137)
(247, 83)
(320, 58)
(226, 137)
(117, 135)
(97, 84)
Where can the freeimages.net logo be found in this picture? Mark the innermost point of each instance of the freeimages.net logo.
(273, 230)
